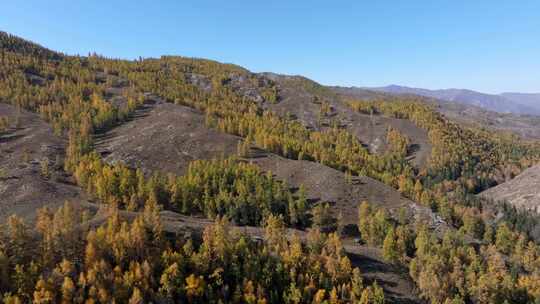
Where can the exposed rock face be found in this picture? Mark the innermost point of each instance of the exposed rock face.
(247, 85)
(522, 192)
(200, 81)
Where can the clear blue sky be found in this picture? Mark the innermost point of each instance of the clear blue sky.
(491, 46)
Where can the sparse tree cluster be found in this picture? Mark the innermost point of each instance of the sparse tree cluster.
(226, 187)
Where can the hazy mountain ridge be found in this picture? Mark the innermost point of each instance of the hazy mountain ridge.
(528, 99)
(525, 125)
(517, 103)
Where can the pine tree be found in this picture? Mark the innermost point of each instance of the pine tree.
(136, 297)
(194, 287)
(390, 250)
(68, 290)
(42, 294)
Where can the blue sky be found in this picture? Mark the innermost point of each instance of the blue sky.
(490, 46)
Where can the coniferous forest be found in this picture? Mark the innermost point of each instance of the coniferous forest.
(256, 238)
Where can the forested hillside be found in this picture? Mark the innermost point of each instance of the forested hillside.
(153, 142)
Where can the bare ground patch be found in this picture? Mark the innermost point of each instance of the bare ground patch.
(25, 147)
(523, 191)
(164, 137)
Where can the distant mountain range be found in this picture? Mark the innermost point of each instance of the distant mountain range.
(518, 103)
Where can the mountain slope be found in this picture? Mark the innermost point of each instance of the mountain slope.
(523, 191)
(31, 174)
(525, 126)
(319, 107)
(498, 103)
(164, 137)
(528, 99)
